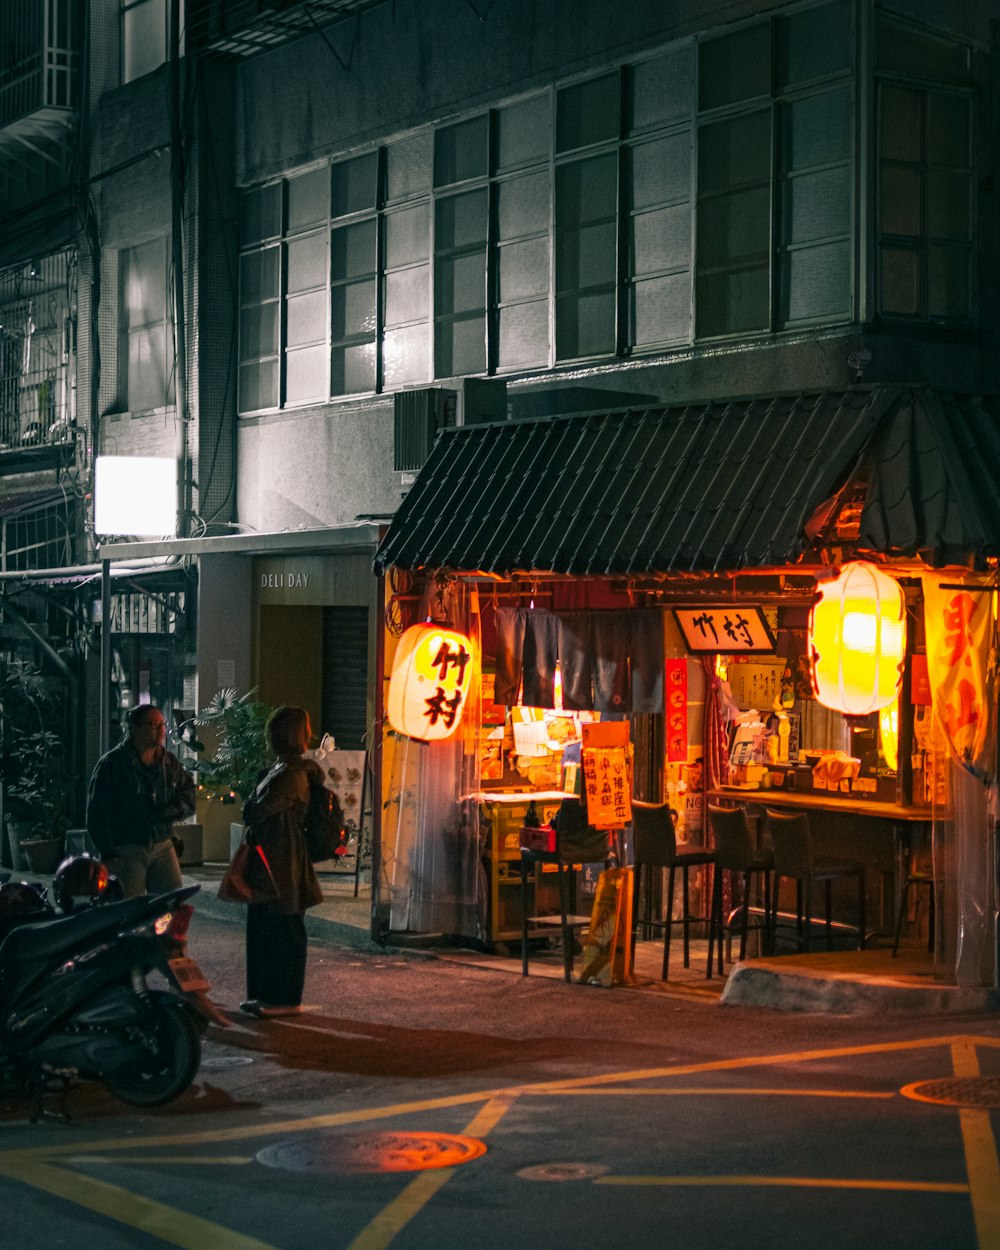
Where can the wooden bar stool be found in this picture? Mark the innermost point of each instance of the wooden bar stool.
(736, 853)
(655, 846)
(576, 843)
(793, 857)
(917, 879)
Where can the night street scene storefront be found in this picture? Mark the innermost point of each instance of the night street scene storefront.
(664, 568)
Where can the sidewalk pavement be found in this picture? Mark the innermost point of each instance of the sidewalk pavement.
(834, 982)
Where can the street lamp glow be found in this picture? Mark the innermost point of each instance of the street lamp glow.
(135, 495)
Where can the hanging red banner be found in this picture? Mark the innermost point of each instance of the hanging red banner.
(677, 711)
(958, 622)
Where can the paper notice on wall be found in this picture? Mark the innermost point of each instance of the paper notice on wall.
(530, 738)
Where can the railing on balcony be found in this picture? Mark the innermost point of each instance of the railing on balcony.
(38, 57)
(38, 354)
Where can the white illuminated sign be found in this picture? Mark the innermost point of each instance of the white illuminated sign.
(135, 495)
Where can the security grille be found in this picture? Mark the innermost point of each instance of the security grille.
(37, 537)
(38, 352)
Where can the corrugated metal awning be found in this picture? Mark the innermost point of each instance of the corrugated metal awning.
(707, 488)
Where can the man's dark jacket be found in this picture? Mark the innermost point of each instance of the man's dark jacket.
(132, 804)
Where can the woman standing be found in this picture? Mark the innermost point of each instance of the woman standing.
(275, 813)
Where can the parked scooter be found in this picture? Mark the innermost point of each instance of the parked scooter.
(75, 1000)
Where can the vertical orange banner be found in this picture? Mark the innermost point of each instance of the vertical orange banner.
(958, 621)
(677, 711)
(606, 784)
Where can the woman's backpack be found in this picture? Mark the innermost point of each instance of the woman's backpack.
(324, 823)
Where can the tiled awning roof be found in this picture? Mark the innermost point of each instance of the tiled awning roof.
(707, 488)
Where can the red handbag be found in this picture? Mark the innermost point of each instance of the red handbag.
(248, 879)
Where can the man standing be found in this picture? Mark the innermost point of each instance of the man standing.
(137, 792)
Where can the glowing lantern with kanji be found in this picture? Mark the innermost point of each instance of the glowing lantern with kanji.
(857, 640)
(431, 675)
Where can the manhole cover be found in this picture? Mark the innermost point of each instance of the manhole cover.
(225, 1061)
(964, 1091)
(371, 1152)
(563, 1172)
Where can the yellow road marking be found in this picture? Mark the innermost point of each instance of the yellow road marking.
(185, 1160)
(788, 1182)
(646, 1091)
(393, 1218)
(177, 1228)
(28, 1166)
(981, 1162)
(339, 1118)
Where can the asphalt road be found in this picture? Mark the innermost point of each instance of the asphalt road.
(419, 1103)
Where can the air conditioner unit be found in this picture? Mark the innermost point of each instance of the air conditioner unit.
(419, 415)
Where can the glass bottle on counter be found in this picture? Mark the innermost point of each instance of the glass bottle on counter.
(531, 817)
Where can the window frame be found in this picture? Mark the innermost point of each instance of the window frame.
(127, 331)
(921, 244)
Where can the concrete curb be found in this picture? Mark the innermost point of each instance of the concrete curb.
(781, 990)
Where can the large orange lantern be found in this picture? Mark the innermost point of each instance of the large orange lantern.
(430, 680)
(857, 640)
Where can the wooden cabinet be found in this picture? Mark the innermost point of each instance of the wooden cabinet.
(502, 855)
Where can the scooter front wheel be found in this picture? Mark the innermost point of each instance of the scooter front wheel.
(169, 1061)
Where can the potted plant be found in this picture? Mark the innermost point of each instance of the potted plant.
(32, 767)
(236, 750)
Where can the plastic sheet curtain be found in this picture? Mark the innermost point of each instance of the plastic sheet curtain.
(960, 623)
(431, 871)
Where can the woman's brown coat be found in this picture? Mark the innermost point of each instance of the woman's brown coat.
(276, 813)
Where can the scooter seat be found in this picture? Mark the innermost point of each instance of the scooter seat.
(29, 942)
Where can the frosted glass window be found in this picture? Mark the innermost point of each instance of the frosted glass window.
(408, 166)
(354, 309)
(145, 340)
(354, 312)
(352, 250)
(405, 356)
(524, 133)
(258, 385)
(353, 369)
(460, 151)
(660, 91)
(306, 262)
(145, 35)
(306, 319)
(308, 199)
(353, 185)
(407, 236)
(260, 214)
(524, 335)
(587, 113)
(586, 256)
(814, 43)
(259, 330)
(735, 67)
(925, 197)
(660, 310)
(406, 294)
(524, 270)
(259, 275)
(305, 375)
